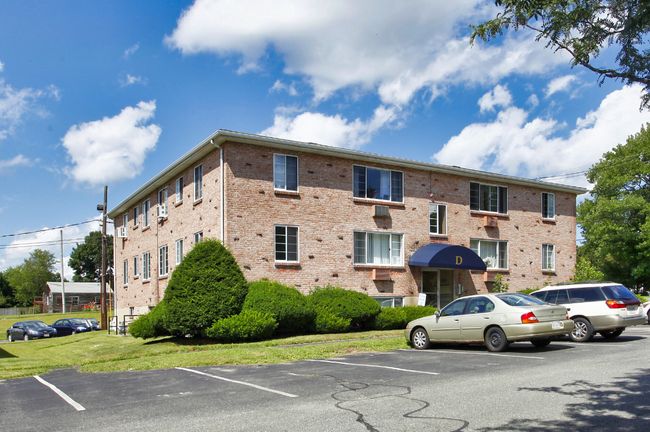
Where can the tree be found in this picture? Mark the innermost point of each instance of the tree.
(586, 271)
(30, 279)
(616, 221)
(583, 28)
(6, 292)
(86, 258)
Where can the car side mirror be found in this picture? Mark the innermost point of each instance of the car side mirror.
(437, 313)
(568, 309)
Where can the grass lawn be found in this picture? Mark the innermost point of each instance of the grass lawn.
(100, 352)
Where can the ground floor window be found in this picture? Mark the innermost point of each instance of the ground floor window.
(163, 267)
(391, 302)
(548, 257)
(286, 243)
(74, 300)
(493, 253)
(146, 266)
(378, 248)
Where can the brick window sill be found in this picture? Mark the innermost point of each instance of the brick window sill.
(378, 202)
(378, 266)
(477, 213)
(287, 264)
(286, 192)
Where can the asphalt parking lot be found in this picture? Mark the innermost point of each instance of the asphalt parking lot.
(601, 385)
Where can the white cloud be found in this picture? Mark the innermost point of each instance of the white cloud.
(330, 130)
(130, 51)
(498, 96)
(2, 66)
(19, 160)
(378, 45)
(112, 149)
(513, 145)
(279, 86)
(533, 100)
(560, 84)
(16, 104)
(132, 80)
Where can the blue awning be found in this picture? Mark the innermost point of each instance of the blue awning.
(447, 256)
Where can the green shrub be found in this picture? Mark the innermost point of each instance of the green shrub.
(528, 290)
(286, 305)
(207, 286)
(357, 307)
(415, 312)
(390, 319)
(328, 322)
(250, 325)
(150, 325)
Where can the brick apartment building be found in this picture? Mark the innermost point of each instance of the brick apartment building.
(309, 215)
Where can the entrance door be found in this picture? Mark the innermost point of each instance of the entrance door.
(438, 285)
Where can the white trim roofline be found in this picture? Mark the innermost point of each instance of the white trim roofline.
(221, 136)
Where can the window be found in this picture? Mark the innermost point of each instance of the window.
(198, 182)
(560, 296)
(146, 206)
(455, 308)
(378, 184)
(285, 172)
(179, 251)
(548, 205)
(390, 302)
(378, 248)
(125, 221)
(198, 237)
(480, 305)
(146, 266)
(126, 272)
(136, 214)
(437, 219)
(286, 243)
(163, 267)
(136, 267)
(488, 198)
(548, 257)
(162, 196)
(74, 300)
(179, 189)
(493, 253)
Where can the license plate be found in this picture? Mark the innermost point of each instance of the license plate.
(556, 325)
(631, 308)
(46, 335)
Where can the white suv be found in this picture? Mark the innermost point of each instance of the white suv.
(603, 307)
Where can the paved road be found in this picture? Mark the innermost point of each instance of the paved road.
(597, 386)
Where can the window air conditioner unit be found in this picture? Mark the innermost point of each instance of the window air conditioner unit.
(381, 211)
(121, 232)
(162, 211)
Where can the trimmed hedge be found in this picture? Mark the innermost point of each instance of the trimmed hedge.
(151, 324)
(390, 319)
(328, 322)
(287, 305)
(415, 312)
(207, 286)
(250, 325)
(359, 308)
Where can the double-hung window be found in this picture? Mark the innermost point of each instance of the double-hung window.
(146, 266)
(162, 196)
(378, 248)
(285, 173)
(179, 189)
(378, 184)
(548, 257)
(488, 198)
(146, 206)
(136, 267)
(125, 221)
(437, 219)
(163, 261)
(286, 243)
(198, 237)
(493, 253)
(136, 214)
(179, 251)
(198, 182)
(548, 205)
(126, 272)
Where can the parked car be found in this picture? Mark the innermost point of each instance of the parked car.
(70, 326)
(94, 324)
(493, 319)
(27, 330)
(596, 307)
(646, 311)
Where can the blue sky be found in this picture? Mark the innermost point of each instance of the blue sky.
(110, 93)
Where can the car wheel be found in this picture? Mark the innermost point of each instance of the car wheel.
(611, 334)
(420, 339)
(582, 330)
(9, 338)
(26, 337)
(496, 340)
(541, 343)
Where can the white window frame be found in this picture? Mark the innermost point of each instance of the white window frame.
(477, 244)
(146, 266)
(280, 178)
(74, 300)
(125, 270)
(549, 204)
(136, 267)
(361, 252)
(198, 182)
(548, 254)
(357, 193)
(497, 202)
(125, 221)
(286, 244)
(136, 216)
(179, 189)
(179, 251)
(163, 261)
(146, 207)
(163, 193)
(439, 229)
(198, 237)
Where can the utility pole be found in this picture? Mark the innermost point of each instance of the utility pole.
(103, 280)
(62, 278)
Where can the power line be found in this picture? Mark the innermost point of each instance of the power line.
(51, 229)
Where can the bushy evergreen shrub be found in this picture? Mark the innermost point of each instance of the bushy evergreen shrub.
(390, 319)
(415, 312)
(207, 286)
(151, 324)
(250, 325)
(287, 305)
(328, 322)
(357, 307)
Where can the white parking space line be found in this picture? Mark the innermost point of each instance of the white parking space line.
(376, 366)
(239, 382)
(474, 353)
(65, 397)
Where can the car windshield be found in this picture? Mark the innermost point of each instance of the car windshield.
(33, 325)
(618, 292)
(520, 300)
(41, 324)
(93, 320)
(78, 321)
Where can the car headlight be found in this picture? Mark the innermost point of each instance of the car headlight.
(54, 330)
(81, 328)
(32, 332)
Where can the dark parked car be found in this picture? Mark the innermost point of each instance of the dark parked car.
(70, 326)
(94, 324)
(27, 330)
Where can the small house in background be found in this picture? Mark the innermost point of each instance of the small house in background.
(78, 296)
